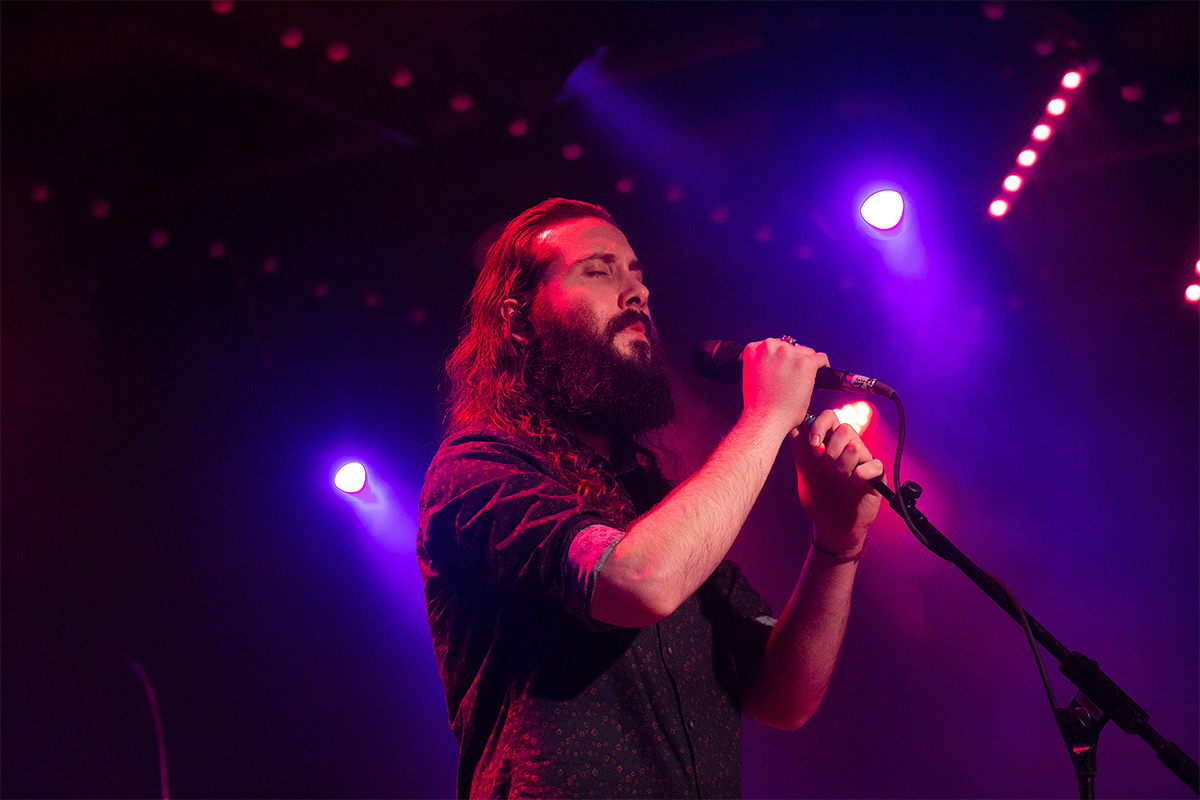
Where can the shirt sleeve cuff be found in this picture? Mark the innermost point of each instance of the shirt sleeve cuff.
(586, 556)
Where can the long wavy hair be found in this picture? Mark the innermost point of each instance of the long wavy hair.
(488, 369)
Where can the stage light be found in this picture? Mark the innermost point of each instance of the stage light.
(518, 127)
(857, 415)
(1192, 293)
(1056, 107)
(292, 37)
(998, 208)
(883, 210)
(625, 185)
(882, 214)
(1072, 79)
(351, 477)
(337, 51)
(1013, 182)
(572, 151)
(1131, 92)
(1041, 132)
(1027, 157)
(461, 102)
(402, 77)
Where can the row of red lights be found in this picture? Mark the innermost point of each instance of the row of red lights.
(292, 37)
(1041, 133)
(1038, 137)
(338, 51)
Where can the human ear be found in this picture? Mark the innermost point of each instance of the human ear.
(519, 328)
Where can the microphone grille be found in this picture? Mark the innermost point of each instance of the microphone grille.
(718, 360)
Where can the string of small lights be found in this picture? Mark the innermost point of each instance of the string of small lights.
(717, 212)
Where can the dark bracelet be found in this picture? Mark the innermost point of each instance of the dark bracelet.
(841, 559)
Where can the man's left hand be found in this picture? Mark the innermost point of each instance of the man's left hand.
(834, 465)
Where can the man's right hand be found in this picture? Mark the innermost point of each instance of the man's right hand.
(777, 382)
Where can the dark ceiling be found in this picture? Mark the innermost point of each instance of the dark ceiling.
(226, 260)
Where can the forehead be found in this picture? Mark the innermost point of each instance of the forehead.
(579, 238)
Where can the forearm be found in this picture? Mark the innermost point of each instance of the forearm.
(804, 645)
(671, 550)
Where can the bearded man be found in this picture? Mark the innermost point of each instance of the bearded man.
(592, 638)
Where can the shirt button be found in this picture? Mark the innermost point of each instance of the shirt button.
(670, 651)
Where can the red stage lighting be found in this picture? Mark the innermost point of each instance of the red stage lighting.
(402, 77)
(337, 51)
(857, 415)
(292, 37)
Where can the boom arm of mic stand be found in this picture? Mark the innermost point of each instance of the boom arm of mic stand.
(1100, 698)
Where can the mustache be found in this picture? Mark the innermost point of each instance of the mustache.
(630, 316)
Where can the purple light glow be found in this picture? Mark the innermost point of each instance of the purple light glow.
(351, 477)
(883, 210)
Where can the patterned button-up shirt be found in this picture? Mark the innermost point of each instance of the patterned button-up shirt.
(544, 700)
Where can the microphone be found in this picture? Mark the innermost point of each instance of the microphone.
(721, 361)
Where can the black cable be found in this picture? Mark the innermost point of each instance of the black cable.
(902, 508)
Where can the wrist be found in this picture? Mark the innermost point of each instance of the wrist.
(847, 557)
(765, 423)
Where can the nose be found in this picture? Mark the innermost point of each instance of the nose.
(635, 294)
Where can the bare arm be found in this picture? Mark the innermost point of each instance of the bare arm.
(668, 552)
(804, 645)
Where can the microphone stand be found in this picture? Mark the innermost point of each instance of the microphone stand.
(1099, 698)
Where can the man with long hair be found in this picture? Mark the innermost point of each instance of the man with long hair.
(592, 638)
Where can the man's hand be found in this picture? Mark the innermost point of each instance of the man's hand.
(834, 465)
(777, 382)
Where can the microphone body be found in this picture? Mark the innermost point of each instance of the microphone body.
(721, 361)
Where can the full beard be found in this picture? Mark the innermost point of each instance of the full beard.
(586, 381)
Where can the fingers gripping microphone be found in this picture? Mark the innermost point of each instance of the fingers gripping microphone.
(720, 361)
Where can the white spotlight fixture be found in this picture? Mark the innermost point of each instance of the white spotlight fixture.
(883, 210)
(351, 477)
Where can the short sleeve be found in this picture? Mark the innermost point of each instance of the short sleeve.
(492, 510)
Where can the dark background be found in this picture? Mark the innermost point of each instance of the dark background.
(228, 264)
